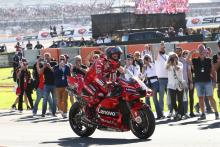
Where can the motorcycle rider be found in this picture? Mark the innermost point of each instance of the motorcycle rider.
(101, 76)
(104, 71)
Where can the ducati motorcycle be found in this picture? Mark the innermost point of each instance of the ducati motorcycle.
(121, 110)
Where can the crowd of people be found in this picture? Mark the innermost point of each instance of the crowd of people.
(28, 46)
(161, 6)
(177, 74)
(48, 79)
(52, 11)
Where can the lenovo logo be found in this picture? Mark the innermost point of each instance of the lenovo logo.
(106, 112)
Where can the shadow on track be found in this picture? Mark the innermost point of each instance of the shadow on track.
(86, 142)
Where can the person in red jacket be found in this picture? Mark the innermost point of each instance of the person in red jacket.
(100, 76)
(104, 71)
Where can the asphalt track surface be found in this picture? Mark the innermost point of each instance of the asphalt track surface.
(21, 130)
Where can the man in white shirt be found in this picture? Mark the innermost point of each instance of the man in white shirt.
(134, 69)
(161, 72)
(99, 41)
(107, 39)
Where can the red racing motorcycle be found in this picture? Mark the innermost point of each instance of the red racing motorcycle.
(121, 110)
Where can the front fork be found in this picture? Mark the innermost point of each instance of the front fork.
(135, 111)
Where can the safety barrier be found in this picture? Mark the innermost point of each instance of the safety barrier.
(71, 52)
(55, 52)
(31, 56)
(213, 45)
(88, 52)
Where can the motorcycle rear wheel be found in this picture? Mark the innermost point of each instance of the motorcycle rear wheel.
(147, 126)
(80, 129)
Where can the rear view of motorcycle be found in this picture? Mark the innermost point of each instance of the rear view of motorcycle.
(120, 110)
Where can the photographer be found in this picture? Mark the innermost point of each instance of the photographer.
(175, 84)
(38, 83)
(25, 84)
(78, 67)
(49, 87)
(151, 80)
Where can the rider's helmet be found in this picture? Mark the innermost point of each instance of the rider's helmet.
(112, 51)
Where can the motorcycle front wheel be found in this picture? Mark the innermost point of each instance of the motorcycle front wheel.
(75, 115)
(146, 128)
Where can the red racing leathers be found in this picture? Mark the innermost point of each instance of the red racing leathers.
(99, 75)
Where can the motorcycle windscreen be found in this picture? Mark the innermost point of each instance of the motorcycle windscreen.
(131, 76)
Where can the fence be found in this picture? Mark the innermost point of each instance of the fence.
(87, 52)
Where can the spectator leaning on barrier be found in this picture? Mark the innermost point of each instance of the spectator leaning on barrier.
(171, 32)
(54, 45)
(180, 32)
(69, 42)
(25, 84)
(107, 39)
(61, 71)
(204, 75)
(49, 87)
(151, 80)
(62, 43)
(175, 84)
(161, 71)
(216, 62)
(38, 46)
(29, 45)
(3, 48)
(82, 42)
(18, 47)
(99, 41)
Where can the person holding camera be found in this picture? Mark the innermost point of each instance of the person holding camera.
(175, 84)
(205, 75)
(61, 71)
(151, 80)
(49, 86)
(24, 84)
(38, 83)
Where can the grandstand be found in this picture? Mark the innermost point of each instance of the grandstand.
(204, 9)
(37, 14)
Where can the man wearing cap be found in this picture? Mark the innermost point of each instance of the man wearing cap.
(205, 75)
